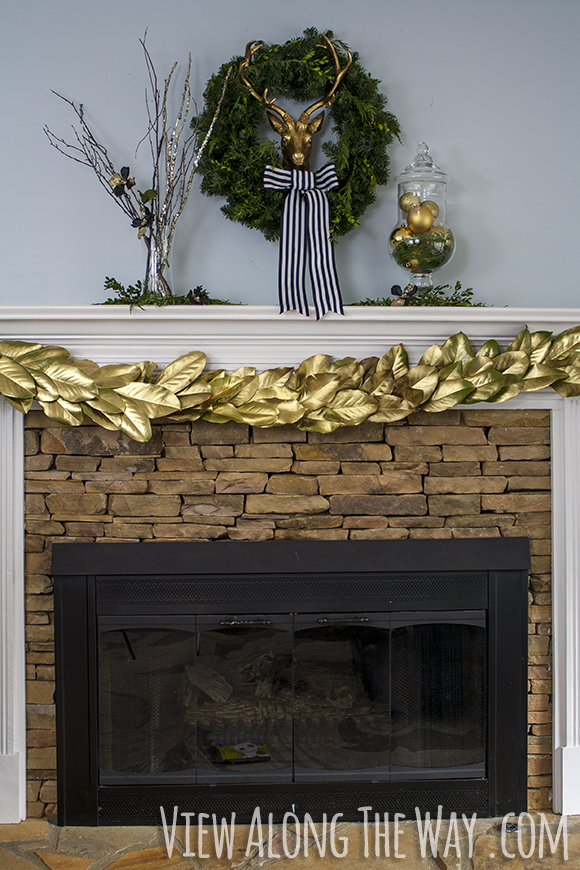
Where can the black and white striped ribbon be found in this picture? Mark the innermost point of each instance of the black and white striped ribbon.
(306, 228)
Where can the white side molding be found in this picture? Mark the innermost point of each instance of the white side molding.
(12, 670)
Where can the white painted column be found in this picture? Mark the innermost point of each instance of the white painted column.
(12, 658)
(566, 605)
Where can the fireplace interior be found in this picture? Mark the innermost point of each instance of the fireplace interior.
(313, 677)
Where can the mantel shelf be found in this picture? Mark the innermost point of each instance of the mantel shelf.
(258, 335)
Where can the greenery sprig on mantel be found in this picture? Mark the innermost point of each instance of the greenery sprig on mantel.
(235, 157)
(320, 395)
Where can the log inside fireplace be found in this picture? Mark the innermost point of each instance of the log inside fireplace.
(307, 677)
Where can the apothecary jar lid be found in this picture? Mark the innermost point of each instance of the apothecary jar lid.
(422, 168)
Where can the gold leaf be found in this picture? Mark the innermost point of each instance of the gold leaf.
(187, 415)
(156, 401)
(421, 377)
(350, 374)
(487, 384)
(228, 386)
(146, 369)
(323, 420)
(258, 414)
(318, 390)
(222, 413)
(515, 362)
(114, 376)
(279, 392)
(391, 409)
(512, 386)
(353, 406)
(541, 342)
(39, 359)
(72, 384)
(15, 381)
(68, 413)
(87, 366)
(312, 366)
(108, 402)
(522, 341)
(289, 412)
(246, 392)
(135, 421)
(274, 378)
(542, 375)
(457, 348)
(379, 384)
(395, 361)
(182, 371)
(452, 372)
(433, 356)
(107, 421)
(46, 388)
(449, 393)
(474, 368)
(16, 349)
(489, 349)
(563, 345)
(22, 405)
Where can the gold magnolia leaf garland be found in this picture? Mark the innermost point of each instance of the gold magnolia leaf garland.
(320, 395)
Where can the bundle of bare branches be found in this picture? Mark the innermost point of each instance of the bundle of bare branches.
(175, 155)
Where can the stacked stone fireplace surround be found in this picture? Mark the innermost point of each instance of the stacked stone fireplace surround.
(457, 474)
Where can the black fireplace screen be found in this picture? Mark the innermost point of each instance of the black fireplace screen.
(292, 699)
(322, 676)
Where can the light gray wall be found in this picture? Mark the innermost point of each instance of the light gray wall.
(490, 85)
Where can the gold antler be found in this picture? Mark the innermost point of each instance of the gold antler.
(339, 74)
(251, 47)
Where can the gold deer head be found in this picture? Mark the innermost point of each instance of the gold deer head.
(296, 136)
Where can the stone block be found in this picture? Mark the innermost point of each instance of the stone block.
(538, 702)
(527, 530)
(362, 522)
(430, 533)
(43, 757)
(463, 453)
(539, 717)
(354, 484)
(404, 467)
(360, 468)
(434, 435)
(287, 504)
(436, 485)
(314, 467)
(132, 464)
(417, 522)
(181, 465)
(541, 564)
(263, 451)
(529, 451)
(542, 547)
(79, 503)
(217, 505)
(519, 435)
(212, 521)
(196, 531)
(520, 484)
(374, 505)
(39, 602)
(34, 543)
(517, 468)
(378, 534)
(292, 484)
(203, 432)
(235, 482)
(181, 487)
(145, 505)
(77, 463)
(36, 584)
(31, 442)
(189, 452)
(418, 453)
(319, 452)
(46, 737)
(451, 417)
(44, 527)
(41, 716)
(40, 462)
(246, 533)
(284, 434)
(539, 614)
(311, 534)
(506, 417)
(48, 793)
(475, 532)
(40, 692)
(176, 438)
(217, 451)
(538, 646)
(320, 521)
(451, 505)
(95, 441)
(455, 469)
(473, 521)
(516, 502)
(539, 764)
(64, 486)
(272, 466)
(132, 487)
(38, 563)
(539, 687)
(75, 530)
(129, 530)
(357, 434)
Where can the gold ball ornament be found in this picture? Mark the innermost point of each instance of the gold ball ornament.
(420, 219)
(407, 201)
(400, 234)
(432, 206)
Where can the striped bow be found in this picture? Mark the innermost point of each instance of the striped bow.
(306, 226)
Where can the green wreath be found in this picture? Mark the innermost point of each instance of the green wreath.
(233, 162)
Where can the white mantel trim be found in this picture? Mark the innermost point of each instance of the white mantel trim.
(258, 336)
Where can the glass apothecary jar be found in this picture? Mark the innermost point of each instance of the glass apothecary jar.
(422, 242)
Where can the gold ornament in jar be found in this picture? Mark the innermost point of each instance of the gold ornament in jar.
(420, 219)
(432, 206)
(399, 234)
(408, 200)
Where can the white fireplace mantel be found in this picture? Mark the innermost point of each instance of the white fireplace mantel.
(258, 336)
